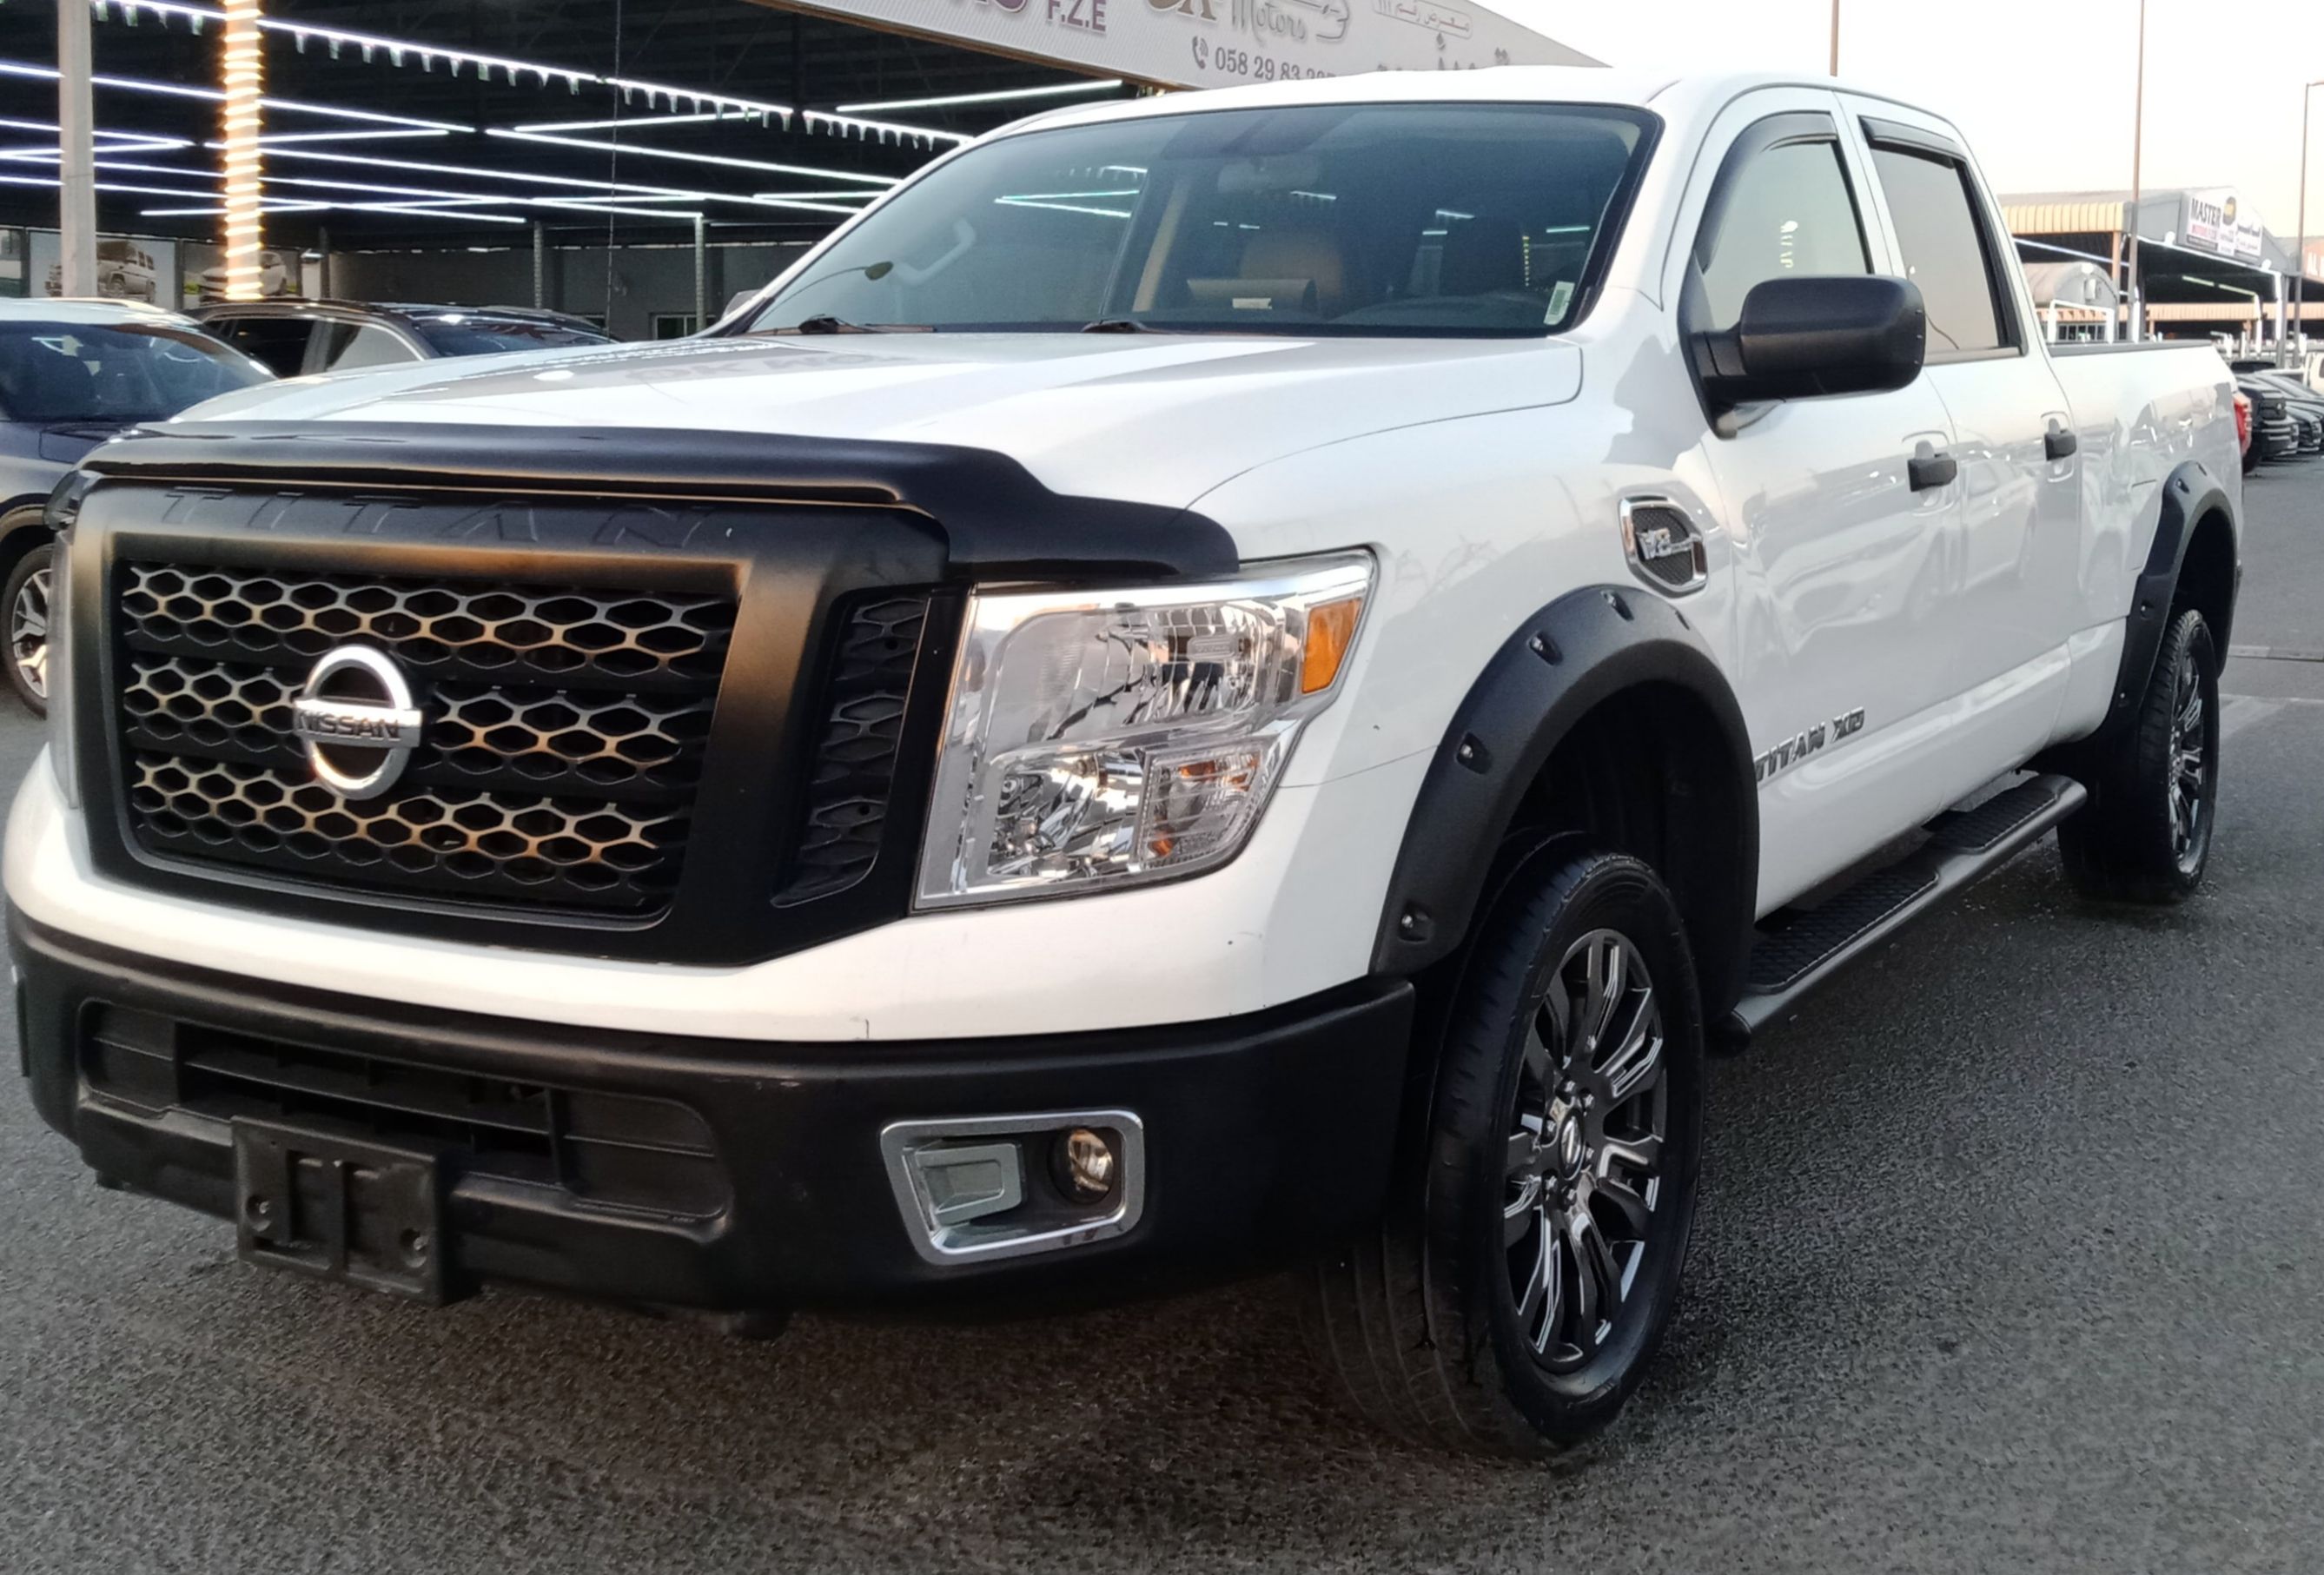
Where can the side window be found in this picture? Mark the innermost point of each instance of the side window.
(1787, 209)
(1944, 250)
(350, 346)
(279, 343)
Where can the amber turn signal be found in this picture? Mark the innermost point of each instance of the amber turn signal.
(1331, 629)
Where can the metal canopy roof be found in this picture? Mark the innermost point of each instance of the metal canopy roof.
(410, 123)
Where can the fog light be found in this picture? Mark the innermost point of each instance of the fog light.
(1086, 1165)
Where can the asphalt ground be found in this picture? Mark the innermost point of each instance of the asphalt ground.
(2008, 1259)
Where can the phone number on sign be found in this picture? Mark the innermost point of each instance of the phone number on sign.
(1251, 65)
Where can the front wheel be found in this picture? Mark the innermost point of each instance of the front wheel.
(27, 598)
(1529, 1263)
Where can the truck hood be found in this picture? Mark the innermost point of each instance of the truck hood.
(1158, 419)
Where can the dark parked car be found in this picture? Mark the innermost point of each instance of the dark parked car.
(2306, 405)
(296, 338)
(2275, 434)
(72, 374)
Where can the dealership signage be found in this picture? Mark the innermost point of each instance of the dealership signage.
(2214, 221)
(1216, 43)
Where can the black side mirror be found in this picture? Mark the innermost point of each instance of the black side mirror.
(1837, 334)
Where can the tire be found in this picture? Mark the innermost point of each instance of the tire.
(1440, 1325)
(25, 600)
(2145, 834)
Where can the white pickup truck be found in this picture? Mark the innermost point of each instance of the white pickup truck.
(1230, 682)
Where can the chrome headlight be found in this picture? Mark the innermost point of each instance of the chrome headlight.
(1094, 739)
(63, 508)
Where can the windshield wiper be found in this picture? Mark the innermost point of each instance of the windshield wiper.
(1120, 326)
(825, 323)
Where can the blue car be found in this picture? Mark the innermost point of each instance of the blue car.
(72, 374)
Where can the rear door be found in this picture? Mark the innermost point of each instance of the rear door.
(2009, 558)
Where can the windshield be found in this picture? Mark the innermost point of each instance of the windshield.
(1332, 219)
(468, 335)
(120, 372)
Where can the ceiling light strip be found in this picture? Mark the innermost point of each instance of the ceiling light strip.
(1000, 96)
(395, 49)
(723, 160)
(212, 95)
(609, 191)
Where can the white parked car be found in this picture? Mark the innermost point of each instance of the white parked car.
(124, 272)
(1216, 684)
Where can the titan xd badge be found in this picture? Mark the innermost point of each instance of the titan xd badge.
(1798, 748)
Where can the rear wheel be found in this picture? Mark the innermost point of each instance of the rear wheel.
(26, 599)
(1530, 1260)
(2145, 834)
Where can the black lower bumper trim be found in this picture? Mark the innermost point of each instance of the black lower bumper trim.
(1267, 1137)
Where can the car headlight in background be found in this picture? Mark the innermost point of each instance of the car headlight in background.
(1097, 738)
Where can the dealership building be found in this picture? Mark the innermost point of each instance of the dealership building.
(2206, 264)
(637, 166)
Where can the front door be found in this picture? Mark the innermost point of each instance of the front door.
(1844, 623)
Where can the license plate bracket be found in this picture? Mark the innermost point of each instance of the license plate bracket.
(340, 1208)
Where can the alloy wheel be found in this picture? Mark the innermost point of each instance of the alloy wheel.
(1584, 1174)
(2189, 738)
(28, 632)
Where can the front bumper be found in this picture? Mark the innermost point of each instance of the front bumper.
(1267, 1137)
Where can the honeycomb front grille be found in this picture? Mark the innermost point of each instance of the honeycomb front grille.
(489, 846)
(474, 730)
(513, 633)
(557, 765)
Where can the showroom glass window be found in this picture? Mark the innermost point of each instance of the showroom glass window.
(1484, 219)
(1788, 211)
(1945, 250)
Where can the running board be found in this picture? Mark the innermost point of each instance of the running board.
(1798, 950)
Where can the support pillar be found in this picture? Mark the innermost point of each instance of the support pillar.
(77, 154)
(243, 75)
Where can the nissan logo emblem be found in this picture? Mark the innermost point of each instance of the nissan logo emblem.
(357, 718)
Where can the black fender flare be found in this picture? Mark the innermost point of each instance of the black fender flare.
(2189, 494)
(23, 526)
(1578, 651)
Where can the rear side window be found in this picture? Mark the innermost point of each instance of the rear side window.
(1789, 210)
(279, 341)
(1944, 250)
(348, 346)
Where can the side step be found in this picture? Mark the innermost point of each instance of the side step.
(1799, 949)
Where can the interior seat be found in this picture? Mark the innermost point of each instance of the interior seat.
(1307, 252)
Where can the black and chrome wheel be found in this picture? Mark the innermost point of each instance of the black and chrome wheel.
(1530, 1259)
(2194, 729)
(2145, 834)
(1585, 1150)
(27, 600)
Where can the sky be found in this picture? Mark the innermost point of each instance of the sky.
(2043, 89)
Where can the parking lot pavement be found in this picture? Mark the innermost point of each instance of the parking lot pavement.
(2007, 1260)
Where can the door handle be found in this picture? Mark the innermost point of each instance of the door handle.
(2059, 443)
(1936, 469)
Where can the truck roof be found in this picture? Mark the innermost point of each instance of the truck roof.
(1494, 84)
